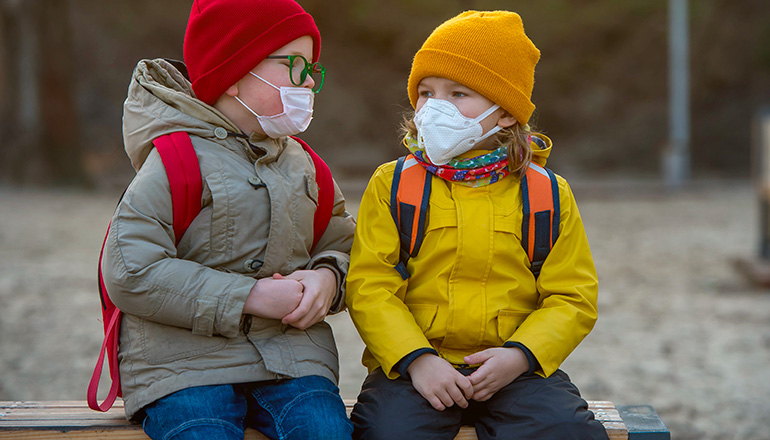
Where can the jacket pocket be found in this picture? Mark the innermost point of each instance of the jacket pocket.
(507, 323)
(323, 349)
(424, 315)
(322, 336)
(162, 344)
(220, 232)
(442, 213)
(509, 223)
(285, 350)
(311, 189)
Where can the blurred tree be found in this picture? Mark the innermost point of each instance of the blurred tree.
(467, 5)
(600, 90)
(40, 124)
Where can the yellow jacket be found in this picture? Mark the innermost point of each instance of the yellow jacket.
(471, 287)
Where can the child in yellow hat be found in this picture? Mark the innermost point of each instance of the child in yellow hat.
(468, 330)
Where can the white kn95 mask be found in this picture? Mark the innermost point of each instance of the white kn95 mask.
(444, 133)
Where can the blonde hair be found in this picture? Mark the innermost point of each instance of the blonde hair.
(516, 139)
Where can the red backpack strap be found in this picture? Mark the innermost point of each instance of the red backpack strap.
(184, 177)
(409, 194)
(540, 209)
(111, 317)
(323, 178)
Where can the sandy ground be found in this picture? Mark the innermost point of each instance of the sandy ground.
(679, 328)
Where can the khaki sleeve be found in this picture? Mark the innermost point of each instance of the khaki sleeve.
(145, 278)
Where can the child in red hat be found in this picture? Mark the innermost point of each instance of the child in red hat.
(223, 328)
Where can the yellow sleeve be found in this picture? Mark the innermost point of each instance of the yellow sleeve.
(568, 287)
(375, 291)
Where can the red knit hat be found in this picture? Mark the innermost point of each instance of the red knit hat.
(225, 39)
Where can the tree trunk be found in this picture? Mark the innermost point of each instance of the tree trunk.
(40, 124)
(62, 147)
(18, 86)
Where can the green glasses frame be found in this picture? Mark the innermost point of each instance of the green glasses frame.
(307, 69)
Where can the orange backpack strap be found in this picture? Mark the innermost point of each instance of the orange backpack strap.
(540, 219)
(184, 177)
(409, 194)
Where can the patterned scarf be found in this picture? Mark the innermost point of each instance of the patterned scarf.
(475, 171)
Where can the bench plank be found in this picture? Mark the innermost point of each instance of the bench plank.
(72, 419)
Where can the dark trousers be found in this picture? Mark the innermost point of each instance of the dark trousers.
(531, 407)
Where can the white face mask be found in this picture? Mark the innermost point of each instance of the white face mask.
(444, 133)
(297, 111)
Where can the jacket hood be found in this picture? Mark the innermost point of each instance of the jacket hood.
(161, 101)
(541, 148)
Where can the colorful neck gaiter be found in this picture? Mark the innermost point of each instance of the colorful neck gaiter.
(473, 171)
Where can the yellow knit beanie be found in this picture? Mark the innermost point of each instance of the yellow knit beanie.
(487, 51)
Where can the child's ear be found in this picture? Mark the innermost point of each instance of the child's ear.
(232, 90)
(506, 120)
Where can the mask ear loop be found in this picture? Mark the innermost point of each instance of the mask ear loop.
(484, 115)
(491, 131)
(265, 81)
(247, 107)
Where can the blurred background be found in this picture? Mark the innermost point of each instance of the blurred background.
(679, 327)
(601, 86)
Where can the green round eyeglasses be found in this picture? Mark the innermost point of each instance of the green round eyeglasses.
(300, 68)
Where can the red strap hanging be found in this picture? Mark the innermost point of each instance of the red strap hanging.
(184, 177)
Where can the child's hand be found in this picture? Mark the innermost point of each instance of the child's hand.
(500, 366)
(320, 288)
(439, 383)
(273, 297)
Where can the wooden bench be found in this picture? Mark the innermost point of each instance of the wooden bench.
(74, 420)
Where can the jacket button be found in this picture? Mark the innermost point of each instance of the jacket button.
(256, 182)
(220, 133)
(252, 265)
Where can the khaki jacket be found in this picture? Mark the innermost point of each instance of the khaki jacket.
(471, 287)
(183, 325)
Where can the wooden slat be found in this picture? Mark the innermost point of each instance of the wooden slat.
(73, 419)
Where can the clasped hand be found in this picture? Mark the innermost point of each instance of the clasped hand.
(300, 299)
(443, 386)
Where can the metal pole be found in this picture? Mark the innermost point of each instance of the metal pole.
(28, 66)
(676, 158)
(761, 172)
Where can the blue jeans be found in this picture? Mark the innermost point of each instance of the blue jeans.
(304, 408)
